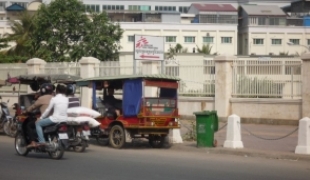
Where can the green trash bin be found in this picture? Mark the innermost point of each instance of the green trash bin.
(206, 126)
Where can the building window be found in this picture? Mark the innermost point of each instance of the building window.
(131, 38)
(258, 41)
(308, 42)
(145, 8)
(2, 4)
(261, 21)
(189, 39)
(294, 41)
(276, 41)
(171, 39)
(183, 9)
(92, 7)
(139, 8)
(207, 39)
(112, 7)
(165, 8)
(226, 40)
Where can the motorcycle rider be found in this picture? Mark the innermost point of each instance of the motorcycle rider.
(46, 91)
(73, 101)
(59, 104)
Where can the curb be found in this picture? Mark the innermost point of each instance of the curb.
(245, 152)
(252, 121)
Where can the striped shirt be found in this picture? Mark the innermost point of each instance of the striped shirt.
(73, 102)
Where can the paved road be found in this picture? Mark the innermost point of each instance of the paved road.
(142, 162)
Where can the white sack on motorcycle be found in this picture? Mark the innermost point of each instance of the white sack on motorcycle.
(82, 111)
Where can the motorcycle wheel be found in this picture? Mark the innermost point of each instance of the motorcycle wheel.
(80, 148)
(21, 145)
(59, 151)
(9, 129)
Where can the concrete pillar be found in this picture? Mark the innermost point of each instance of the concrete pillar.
(35, 66)
(223, 85)
(89, 68)
(150, 67)
(303, 146)
(233, 133)
(305, 94)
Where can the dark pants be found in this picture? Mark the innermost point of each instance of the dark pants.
(31, 130)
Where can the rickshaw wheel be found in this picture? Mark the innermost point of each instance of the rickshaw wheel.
(117, 137)
(157, 141)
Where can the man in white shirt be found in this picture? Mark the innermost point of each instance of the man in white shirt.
(59, 104)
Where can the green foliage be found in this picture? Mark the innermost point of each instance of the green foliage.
(5, 58)
(191, 134)
(62, 31)
(172, 51)
(258, 88)
(205, 49)
(21, 36)
(284, 53)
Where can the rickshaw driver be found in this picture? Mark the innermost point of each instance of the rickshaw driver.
(109, 98)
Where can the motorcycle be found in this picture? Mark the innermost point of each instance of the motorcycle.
(5, 118)
(78, 135)
(55, 135)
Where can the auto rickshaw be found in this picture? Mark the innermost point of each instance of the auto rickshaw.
(142, 114)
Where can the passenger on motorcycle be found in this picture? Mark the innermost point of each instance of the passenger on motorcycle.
(46, 91)
(59, 104)
(73, 101)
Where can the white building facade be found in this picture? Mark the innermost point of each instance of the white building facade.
(222, 38)
(275, 40)
(263, 30)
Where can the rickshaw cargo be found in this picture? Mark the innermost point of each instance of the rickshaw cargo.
(77, 120)
(82, 111)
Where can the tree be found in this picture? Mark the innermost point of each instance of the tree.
(68, 33)
(3, 43)
(205, 49)
(102, 37)
(21, 36)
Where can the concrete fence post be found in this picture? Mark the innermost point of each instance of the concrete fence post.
(305, 94)
(89, 68)
(303, 146)
(223, 85)
(233, 134)
(35, 66)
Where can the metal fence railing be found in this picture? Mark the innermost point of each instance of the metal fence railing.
(267, 78)
(197, 77)
(251, 77)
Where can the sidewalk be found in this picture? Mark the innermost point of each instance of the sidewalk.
(253, 146)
